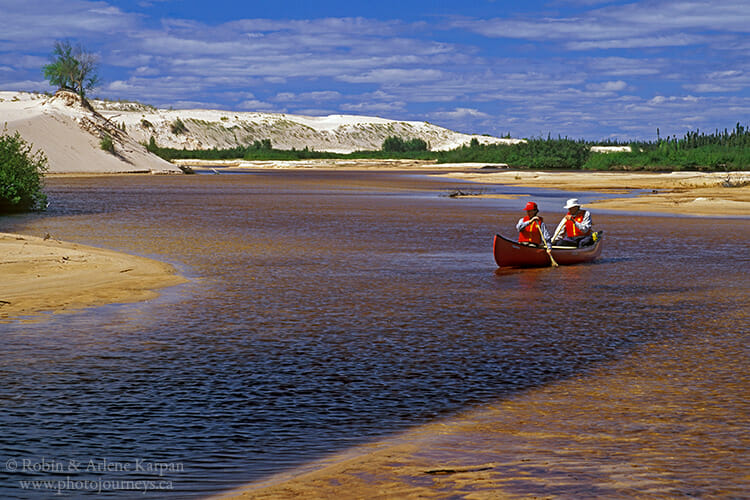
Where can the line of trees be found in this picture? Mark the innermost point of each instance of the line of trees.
(719, 151)
(393, 147)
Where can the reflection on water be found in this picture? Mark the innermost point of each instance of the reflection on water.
(324, 309)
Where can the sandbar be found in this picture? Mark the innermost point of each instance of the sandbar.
(686, 193)
(48, 275)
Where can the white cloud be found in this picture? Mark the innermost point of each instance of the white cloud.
(30, 25)
(716, 87)
(660, 99)
(27, 85)
(365, 107)
(627, 66)
(676, 40)
(459, 114)
(614, 86)
(256, 105)
(326, 95)
(394, 76)
(725, 81)
(634, 25)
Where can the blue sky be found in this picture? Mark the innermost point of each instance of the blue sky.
(577, 68)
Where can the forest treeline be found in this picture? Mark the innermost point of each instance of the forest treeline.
(718, 150)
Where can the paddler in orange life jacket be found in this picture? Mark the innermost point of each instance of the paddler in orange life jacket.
(529, 227)
(574, 229)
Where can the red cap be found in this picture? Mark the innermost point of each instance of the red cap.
(531, 206)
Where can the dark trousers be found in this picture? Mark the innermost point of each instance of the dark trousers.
(578, 241)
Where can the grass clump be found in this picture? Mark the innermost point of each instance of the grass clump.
(107, 144)
(178, 127)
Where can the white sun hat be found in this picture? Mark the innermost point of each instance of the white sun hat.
(573, 202)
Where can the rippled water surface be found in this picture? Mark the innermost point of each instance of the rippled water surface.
(326, 309)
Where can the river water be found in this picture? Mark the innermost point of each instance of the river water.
(327, 309)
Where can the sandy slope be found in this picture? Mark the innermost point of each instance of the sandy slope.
(49, 275)
(70, 135)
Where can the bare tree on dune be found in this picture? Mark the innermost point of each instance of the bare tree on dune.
(72, 68)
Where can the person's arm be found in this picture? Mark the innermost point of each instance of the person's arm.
(545, 233)
(585, 224)
(521, 224)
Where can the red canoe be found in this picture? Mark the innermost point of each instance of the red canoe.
(509, 253)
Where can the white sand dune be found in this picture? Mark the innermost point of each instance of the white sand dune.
(70, 134)
(206, 129)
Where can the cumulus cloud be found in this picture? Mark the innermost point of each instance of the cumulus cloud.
(614, 86)
(317, 96)
(634, 25)
(34, 24)
(459, 114)
(371, 107)
(660, 99)
(393, 76)
(256, 105)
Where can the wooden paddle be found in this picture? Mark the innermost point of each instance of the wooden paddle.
(560, 227)
(549, 250)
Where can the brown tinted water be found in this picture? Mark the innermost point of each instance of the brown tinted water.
(331, 308)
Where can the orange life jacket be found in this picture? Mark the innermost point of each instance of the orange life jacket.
(531, 233)
(572, 230)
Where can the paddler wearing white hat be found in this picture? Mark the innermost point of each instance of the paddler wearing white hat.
(575, 228)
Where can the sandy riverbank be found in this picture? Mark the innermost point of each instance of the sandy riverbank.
(689, 193)
(606, 434)
(49, 275)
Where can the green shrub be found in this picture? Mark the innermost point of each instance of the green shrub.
(178, 127)
(106, 144)
(264, 144)
(397, 144)
(21, 175)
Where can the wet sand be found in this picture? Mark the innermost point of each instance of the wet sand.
(44, 274)
(686, 193)
(598, 436)
(652, 425)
